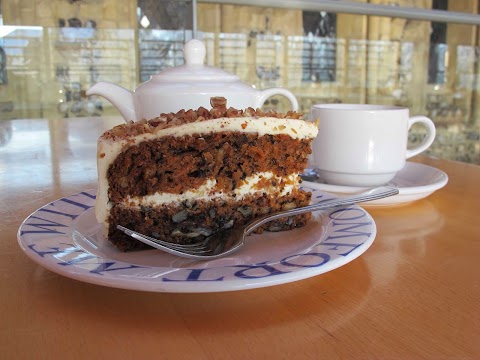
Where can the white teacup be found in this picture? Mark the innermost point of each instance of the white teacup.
(364, 145)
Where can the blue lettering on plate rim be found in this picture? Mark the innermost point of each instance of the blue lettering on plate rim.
(348, 228)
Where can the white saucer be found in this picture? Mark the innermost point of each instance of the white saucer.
(414, 182)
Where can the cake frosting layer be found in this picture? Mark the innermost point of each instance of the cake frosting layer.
(206, 191)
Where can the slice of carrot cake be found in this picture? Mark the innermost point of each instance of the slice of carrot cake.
(180, 177)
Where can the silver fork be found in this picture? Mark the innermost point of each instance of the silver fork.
(225, 242)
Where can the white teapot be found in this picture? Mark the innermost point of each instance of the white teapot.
(185, 87)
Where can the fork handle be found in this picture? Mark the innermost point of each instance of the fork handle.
(372, 194)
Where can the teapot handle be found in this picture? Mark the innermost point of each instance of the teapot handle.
(263, 95)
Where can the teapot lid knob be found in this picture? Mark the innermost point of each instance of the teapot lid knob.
(194, 52)
(194, 70)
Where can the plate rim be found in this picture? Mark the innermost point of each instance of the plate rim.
(147, 284)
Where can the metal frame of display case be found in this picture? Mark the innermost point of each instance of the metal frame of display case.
(350, 7)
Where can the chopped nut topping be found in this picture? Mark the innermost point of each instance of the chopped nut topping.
(219, 110)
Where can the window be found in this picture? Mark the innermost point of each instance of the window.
(438, 47)
(319, 53)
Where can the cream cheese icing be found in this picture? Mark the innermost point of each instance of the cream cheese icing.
(207, 191)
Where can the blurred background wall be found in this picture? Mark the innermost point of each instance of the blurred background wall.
(52, 51)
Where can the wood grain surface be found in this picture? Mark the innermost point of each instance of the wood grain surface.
(415, 294)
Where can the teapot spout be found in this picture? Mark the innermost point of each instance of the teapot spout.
(120, 97)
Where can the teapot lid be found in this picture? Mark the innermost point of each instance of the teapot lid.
(194, 69)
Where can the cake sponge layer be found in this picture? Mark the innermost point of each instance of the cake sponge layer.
(192, 221)
(178, 164)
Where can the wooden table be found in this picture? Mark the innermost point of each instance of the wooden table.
(414, 294)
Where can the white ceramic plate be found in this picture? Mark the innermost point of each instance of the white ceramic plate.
(414, 182)
(65, 238)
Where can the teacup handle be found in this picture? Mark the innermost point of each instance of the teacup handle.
(263, 95)
(428, 140)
